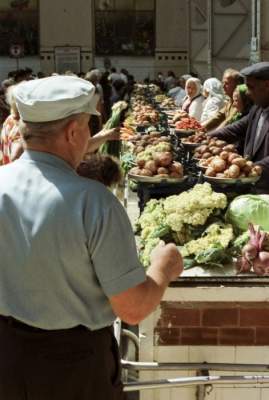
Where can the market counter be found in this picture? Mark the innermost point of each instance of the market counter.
(208, 319)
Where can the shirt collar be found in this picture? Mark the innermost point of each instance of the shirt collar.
(47, 158)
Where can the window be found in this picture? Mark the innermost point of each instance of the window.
(19, 25)
(125, 27)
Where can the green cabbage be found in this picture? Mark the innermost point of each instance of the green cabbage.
(249, 208)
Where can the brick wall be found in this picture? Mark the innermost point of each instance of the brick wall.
(200, 323)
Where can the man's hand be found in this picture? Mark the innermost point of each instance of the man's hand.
(168, 260)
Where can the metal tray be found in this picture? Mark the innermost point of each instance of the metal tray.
(156, 179)
(190, 145)
(231, 181)
(182, 133)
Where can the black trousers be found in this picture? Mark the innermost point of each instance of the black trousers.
(72, 364)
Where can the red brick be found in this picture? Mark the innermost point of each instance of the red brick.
(262, 336)
(237, 336)
(166, 336)
(199, 336)
(254, 317)
(180, 317)
(220, 317)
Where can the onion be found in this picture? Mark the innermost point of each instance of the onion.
(249, 251)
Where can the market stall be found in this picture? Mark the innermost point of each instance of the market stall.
(199, 193)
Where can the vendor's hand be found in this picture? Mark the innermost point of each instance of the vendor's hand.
(179, 115)
(111, 134)
(168, 259)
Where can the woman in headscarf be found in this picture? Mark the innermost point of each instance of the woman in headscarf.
(241, 101)
(213, 92)
(193, 102)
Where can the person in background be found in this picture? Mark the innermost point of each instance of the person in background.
(102, 168)
(119, 92)
(160, 81)
(10, 139)
(114, 75)
(193, 103)
(124, 75)
(169, 81)
(214, 99)
(252, 130)
(177, 93)
(4, 106)
(58, 305)
(96, 120)
(107, 90)
(231, 78)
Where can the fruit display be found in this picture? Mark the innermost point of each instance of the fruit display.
(232, 166)
(213, 147)
(188, 123)
(167, 104)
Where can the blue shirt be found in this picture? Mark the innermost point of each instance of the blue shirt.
(66, 245)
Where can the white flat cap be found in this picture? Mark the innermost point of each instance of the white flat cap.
(54, 98)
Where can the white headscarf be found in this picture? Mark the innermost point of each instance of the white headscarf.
(198, 86)
(214, 87)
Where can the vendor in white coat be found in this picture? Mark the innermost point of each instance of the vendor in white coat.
(213, 92)
(193, 102)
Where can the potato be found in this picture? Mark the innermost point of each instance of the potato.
(215, 151)
(151, 165)
(145, 172)
(163, 175)
(226, 173)
(210, 172)
(176, 167)
(206, 155)
(220, 143)
(141, 163)
(224, 155)
(257, 169)
(234, 171)
(162, 170)
(203, 149)
(212, 142)
(229, 147)
(218, 164)
(240, 161)
(165, 159)
(232, 156)
(246, 170)
(139, 149)
(249, 164)
(220, 175)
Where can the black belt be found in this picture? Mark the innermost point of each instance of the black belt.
(21, 325)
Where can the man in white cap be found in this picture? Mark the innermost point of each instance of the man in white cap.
(69, 264)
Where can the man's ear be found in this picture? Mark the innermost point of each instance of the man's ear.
(71, 130)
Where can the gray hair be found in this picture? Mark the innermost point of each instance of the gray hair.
(43, 131)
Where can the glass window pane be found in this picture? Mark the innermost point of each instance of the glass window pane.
(144, 5)
(19, 21)
(124, 5)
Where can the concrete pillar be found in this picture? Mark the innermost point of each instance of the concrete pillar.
(171, 36)
(66, 23)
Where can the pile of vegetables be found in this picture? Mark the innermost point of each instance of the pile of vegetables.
(214, 147)
(255, 254)
(141, 142)
(145, 115)
(180, 219)
(157, 160)
(188, 123)
(231, 166)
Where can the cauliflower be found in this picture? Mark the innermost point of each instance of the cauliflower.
(146, 253)
(214, 234)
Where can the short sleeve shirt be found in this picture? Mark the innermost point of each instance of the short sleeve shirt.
(66, 245)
